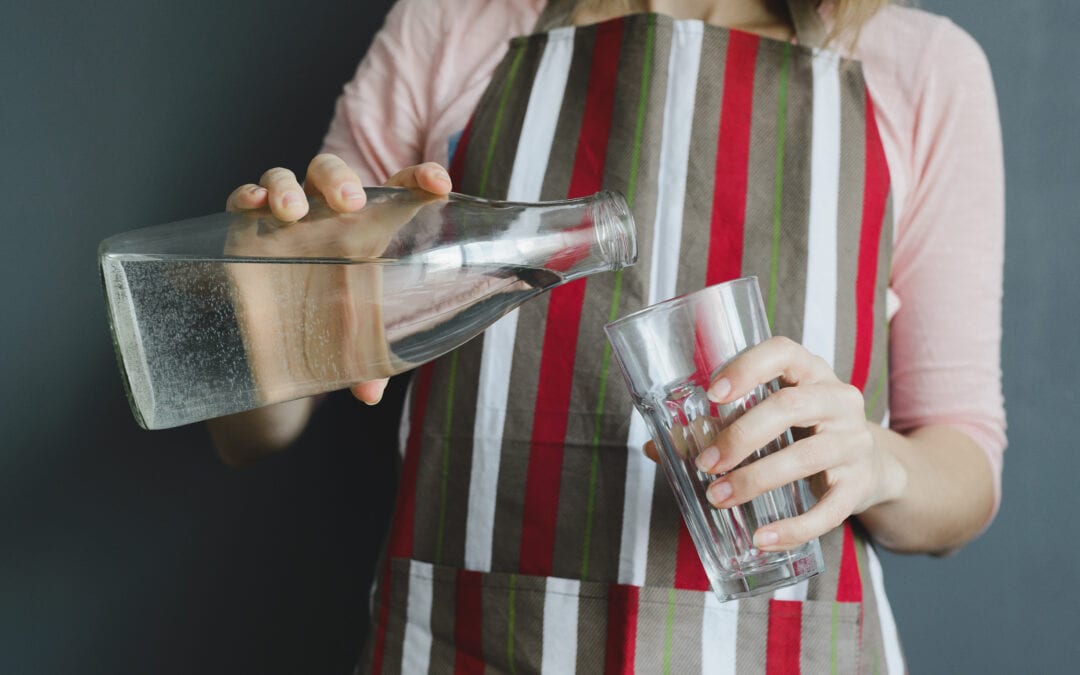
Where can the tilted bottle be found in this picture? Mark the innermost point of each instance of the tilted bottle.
(216, 315)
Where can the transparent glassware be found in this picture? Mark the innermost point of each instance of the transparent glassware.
(233, 311)
(669, 353)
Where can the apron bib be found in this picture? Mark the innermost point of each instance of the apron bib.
(530, 533)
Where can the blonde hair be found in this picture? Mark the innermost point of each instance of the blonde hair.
(848, 16)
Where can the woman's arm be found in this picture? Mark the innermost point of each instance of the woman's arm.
(944, 487)
(928, 491)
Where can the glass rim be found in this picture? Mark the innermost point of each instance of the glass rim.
(677, 301)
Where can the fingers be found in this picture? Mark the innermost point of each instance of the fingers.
(650, 451)
(806, 457)
(824, 516)
(370, 392)
(328, 175)
(815, 406)
(777, 357)
(246, 197)
(286, 197)
(428, 176)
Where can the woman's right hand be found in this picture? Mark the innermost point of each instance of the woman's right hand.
(329, 177)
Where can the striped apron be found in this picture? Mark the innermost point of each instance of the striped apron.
(530, 534)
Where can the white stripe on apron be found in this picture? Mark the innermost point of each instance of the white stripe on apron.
(819, 315)
(416, 649)
(406, 419)
(683, 64)
(560, 626)
(526, 181)
(719, 627)
(894, 659)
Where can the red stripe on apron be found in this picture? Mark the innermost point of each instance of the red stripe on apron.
(849, 583)
(401, 535)
(689, 572)
(468, 618)
(728, 221)
(563, 321)
(401, 530)
(621, 630)
(732, 159)
(875, 195)
(784, 639)
(457, 162)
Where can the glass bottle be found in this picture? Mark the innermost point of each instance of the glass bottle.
(229, 312)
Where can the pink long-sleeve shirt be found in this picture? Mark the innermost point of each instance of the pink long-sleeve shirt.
(937, 116)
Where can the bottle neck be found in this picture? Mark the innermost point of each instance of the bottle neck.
(614, 241)
(615, 230)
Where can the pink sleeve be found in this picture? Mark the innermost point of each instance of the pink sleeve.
(420, 80)
(378, 120)
(949, 253)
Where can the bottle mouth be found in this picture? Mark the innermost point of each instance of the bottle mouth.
(615, 229)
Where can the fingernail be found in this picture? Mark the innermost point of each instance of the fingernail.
(765, 538)
(291, 198)
(352, 192)
(442, 175)
(708, 459)
(719, 389)
(718, 492)
(258, 191)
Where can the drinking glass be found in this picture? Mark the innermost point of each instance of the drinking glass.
(669, 353)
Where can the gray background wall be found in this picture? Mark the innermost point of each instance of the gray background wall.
(123, 551)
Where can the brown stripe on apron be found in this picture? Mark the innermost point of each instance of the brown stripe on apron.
(849, 215)
(592, 629)
(512, 622)
(651, 630)
(830, 637)
(687, 616)
(761, 171)
(794, 216)
(752, 635)
(498, 602)
(823, 586)
(395, 628)
(701, 165)
(443, 644)
(455, 463)
(429, 476)
(872, 645)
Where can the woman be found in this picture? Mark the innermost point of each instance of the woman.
(529, 532)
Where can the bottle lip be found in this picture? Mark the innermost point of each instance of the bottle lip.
(616, 230)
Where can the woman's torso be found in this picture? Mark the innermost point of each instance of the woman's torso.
(530, 531)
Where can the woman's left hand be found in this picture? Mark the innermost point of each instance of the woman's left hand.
(849, 470)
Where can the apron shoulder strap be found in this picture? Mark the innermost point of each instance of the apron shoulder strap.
(809, 28)
(557, 13)
(804, 16)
